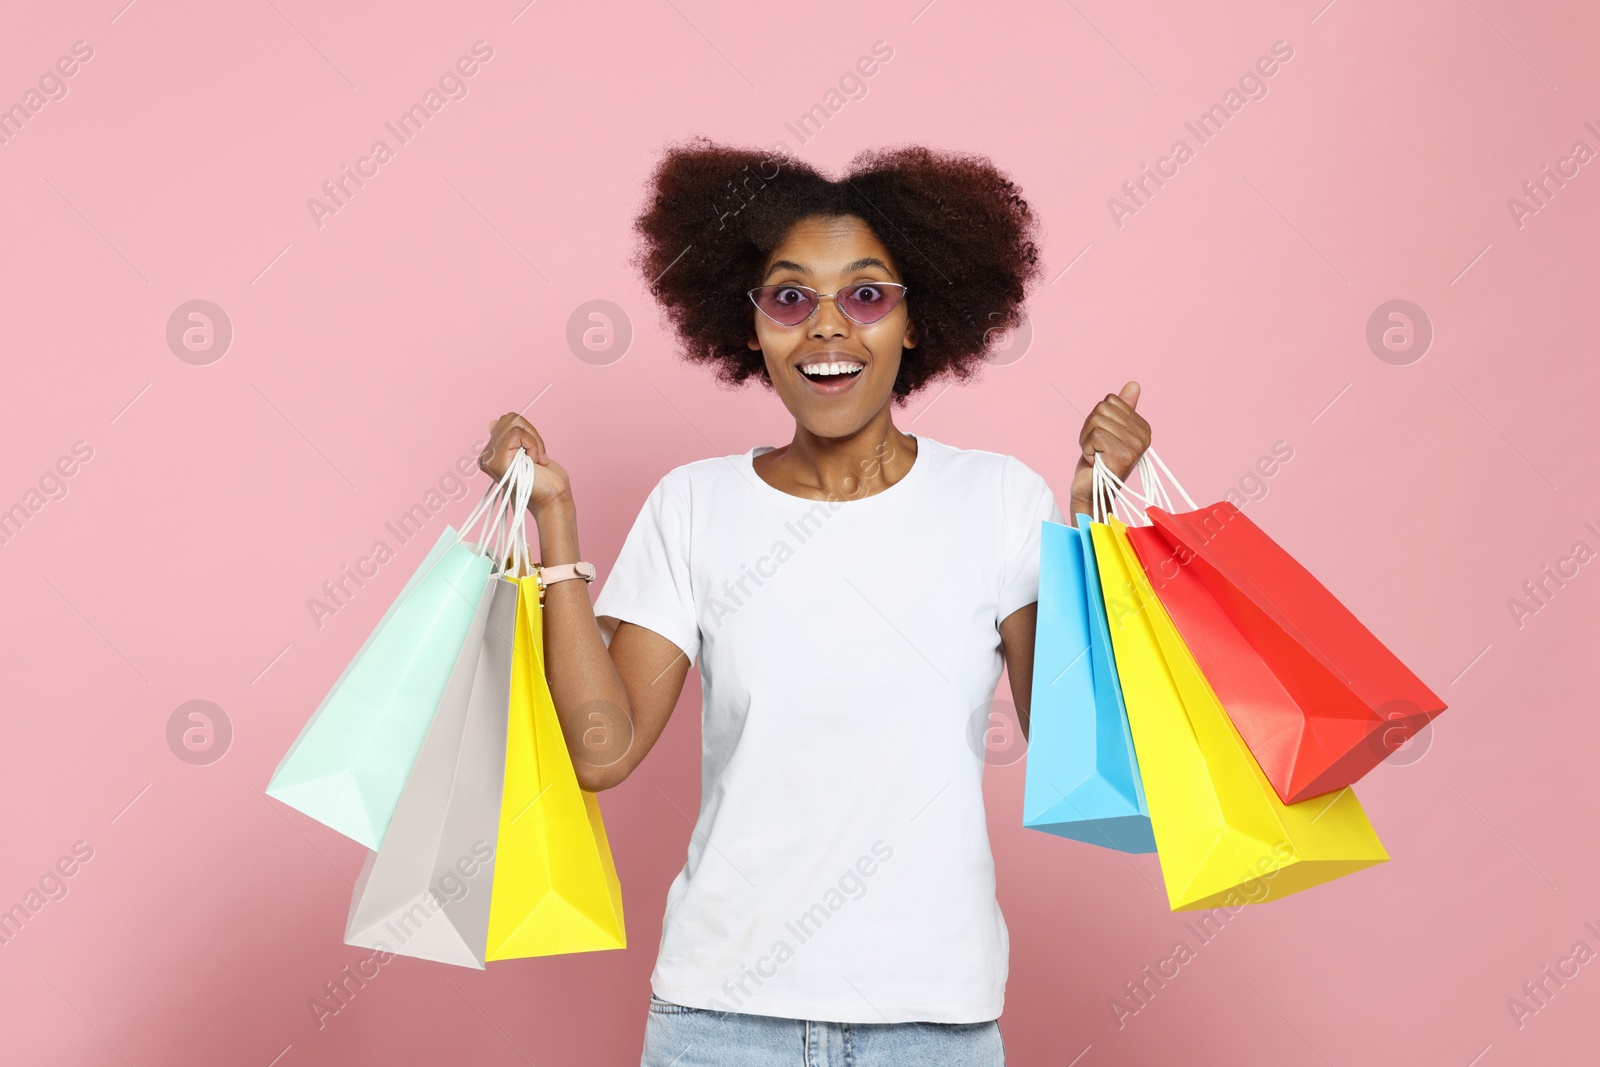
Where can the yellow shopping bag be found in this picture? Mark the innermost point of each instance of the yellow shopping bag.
(1223, 836)
(555, 886)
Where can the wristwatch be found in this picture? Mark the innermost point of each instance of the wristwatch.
(561, 572)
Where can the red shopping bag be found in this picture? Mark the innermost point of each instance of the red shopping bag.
(1318, 699)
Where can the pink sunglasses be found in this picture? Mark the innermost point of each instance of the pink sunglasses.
(863, 303)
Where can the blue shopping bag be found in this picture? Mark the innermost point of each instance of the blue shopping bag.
(1082, 779)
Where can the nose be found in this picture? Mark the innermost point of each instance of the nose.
(828, 321)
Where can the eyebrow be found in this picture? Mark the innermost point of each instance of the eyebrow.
(850, 268)
(786, 264)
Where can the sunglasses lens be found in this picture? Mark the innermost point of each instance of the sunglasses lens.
(788, 304)
(869, 302)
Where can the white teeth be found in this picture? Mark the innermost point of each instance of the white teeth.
(831, 368)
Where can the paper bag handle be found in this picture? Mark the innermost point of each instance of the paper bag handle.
(492, 511)
(516, 540)
(1111, 491)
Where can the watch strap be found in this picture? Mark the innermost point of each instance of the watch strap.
(562, 572)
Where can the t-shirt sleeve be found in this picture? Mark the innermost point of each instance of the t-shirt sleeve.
(649, 583)
(1026, 500)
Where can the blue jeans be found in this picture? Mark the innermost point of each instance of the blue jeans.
(676, 1036)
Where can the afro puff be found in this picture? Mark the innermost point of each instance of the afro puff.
(961, 235)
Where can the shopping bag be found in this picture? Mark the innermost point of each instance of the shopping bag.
(1339, 702)
(555, 885)
(1223, 836)
(350, 762)
(1265, 714)
(1082, 779)
(426, 892)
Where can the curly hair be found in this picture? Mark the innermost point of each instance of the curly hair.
(958, 229)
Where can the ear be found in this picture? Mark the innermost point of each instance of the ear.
(910, 338)
(753, 343)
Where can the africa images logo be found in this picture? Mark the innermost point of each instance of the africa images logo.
(851, 885)
(452, 85)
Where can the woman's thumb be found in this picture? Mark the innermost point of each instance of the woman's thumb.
(1130, 393)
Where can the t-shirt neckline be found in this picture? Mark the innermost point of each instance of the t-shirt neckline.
(919, 467)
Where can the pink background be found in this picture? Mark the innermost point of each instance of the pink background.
(368, 355)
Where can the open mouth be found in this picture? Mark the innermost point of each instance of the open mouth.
(832, 376)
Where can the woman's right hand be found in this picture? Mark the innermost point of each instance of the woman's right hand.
(507, 434)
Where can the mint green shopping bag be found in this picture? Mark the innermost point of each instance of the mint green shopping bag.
(349, 764)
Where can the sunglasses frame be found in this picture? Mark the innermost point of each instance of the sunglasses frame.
(819, 297)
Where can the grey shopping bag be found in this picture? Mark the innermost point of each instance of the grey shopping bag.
(425, 892)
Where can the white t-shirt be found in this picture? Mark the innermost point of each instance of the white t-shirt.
(840, 867)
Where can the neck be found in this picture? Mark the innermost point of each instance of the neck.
(860, 464)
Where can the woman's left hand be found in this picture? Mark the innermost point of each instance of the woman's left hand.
(1119, 433)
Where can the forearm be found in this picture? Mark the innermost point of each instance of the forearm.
(589, 695)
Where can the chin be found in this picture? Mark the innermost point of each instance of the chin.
(841, 421)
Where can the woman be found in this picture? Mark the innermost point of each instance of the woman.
(851, 597)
